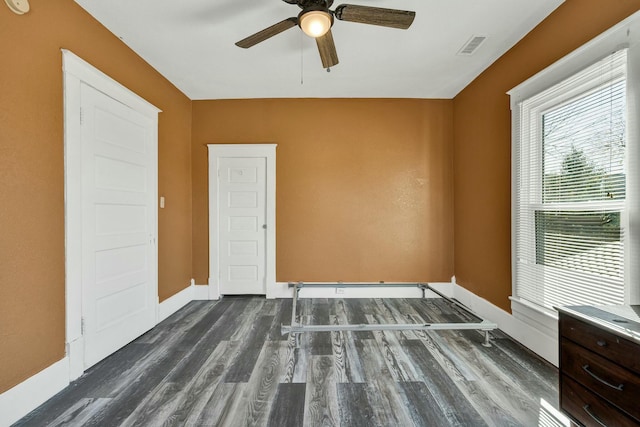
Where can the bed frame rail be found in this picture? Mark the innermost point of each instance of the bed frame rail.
(295, 329)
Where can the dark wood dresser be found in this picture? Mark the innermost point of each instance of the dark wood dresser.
(600, 365)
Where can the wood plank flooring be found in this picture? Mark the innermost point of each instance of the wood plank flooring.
(225, 363)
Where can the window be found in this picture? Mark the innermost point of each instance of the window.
(576, 180)
(570, 217)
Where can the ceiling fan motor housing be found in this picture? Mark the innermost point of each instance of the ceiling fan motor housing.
(304, 4)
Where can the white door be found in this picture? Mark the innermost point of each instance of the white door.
(242, 225)
(119, 224)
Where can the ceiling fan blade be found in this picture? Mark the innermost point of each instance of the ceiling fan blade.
(267, 33)
(327, 49)
(393, 18)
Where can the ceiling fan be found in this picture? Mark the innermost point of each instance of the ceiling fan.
(316, 21)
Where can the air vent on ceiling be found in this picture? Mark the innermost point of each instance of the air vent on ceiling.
(472, 45)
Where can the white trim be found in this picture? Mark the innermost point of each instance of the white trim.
(544, 320)
(445, 288)
(73, 206)
(632, 249)
(87, 73)
(213, 288)
(282, 290)
(268, 151)
(625, 33)
(75, 354)
(201, 292)
(18, 401)
(175, 302)
(75, 73)
(279, 290)
(543, 345)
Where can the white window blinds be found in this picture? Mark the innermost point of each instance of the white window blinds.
(570, 189)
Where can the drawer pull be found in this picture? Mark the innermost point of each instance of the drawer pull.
(588, 371)
(601, 343)
(596, 419)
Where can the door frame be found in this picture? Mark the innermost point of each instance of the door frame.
(76, 71)
(267, 151)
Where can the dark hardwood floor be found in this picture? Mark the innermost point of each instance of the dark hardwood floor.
(225, 364)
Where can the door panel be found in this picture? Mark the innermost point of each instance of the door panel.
(242, 219)
(119, 257)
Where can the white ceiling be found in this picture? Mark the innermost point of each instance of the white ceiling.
(191, 43)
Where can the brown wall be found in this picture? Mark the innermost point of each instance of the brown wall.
(32, 290)
(482, 148)
(364, 187)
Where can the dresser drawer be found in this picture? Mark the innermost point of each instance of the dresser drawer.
(612, 382)
(602, 342)
(588, 408)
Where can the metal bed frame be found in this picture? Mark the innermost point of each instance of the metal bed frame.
(295, 329)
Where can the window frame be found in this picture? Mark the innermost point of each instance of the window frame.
(623, 35)
(531, 146)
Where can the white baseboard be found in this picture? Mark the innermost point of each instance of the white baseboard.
(75, 354)
(214, 289)
(445, 288)
(543, 345)
(201, 292)
(182, 298)
(546, 321)
(18, 401)
(282, 290)
(279, 290)
(175, 302)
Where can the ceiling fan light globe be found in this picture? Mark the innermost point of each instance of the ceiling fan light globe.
(316, 23)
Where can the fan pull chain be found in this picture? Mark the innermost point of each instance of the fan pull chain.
(301, 60)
